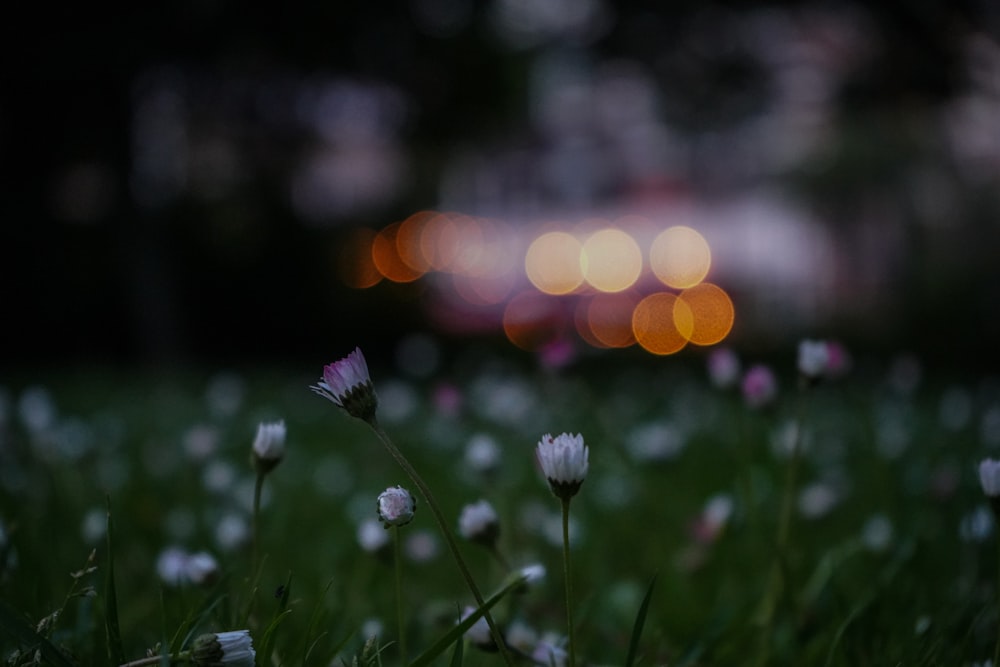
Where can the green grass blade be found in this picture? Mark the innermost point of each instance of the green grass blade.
(282, 612)
(455, 634)
(16, 626)
(457, 656)
(640, 621)
(112, 631)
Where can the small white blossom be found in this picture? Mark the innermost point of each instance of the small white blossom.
(478, 522)
(479, 633)
(269, 445)
(233, 648)
(759, 386)
(814, 356)
(989, 477)
(723, 368)
(396, 506)
(532, 573)
(564, 461)
(201, 568)
(482, 454)
(371, 537)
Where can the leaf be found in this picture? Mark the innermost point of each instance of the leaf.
(456, 657)
(455, 634)
(112, 631)
(640, 621)
(264, 645)
(17, 626)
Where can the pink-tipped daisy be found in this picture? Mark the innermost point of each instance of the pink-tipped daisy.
(348, 385)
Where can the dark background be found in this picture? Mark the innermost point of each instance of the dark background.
(149, 156)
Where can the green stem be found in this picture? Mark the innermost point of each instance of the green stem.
(398, 557)
(446, 531)
(569, 582)
(156, 659)
(996, 650)
(257, 488)
(779, 575)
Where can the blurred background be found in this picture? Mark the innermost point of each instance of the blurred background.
(212, 182)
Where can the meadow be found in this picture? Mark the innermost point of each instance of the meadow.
(888, 554)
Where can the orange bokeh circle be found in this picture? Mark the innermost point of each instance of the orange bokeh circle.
(711, 310)
(662, 323)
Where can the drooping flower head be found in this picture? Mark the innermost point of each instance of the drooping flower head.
(269, 446)
(564, 461)
(224, 648)
(396, 506)
(479, 523)
(348, 385)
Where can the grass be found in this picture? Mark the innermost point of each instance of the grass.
(170, 456)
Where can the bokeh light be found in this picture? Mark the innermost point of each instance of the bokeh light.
(680, 257)
(531, 319)
(553, 263)
(385, 256)
(608, 319)
(484, 290)
(711, 311)
(611, 260)
(440, 240)
(662, 323)
(354, 259)
(408, 240)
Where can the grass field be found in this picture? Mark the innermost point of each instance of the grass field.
(890, 556)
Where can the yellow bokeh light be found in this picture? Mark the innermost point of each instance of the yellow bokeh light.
(552, 263)
(662, 323)
(711, 311)
(611, 260)
(680, 257)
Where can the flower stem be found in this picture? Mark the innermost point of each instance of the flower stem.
(569, 582)
(155, 660)
(257, 488)
(779, 576)
(398, 557)
(446, 531)
(996, 650)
